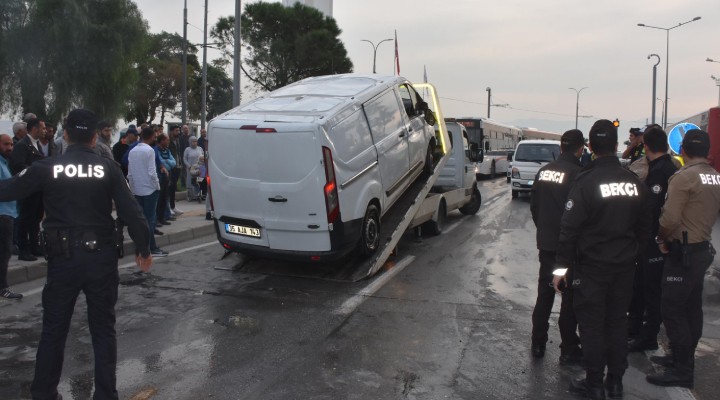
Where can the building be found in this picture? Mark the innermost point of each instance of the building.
(325, 6)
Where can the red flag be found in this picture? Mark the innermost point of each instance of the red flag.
(397, 55)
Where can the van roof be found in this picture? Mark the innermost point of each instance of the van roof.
(318, 96)
(539, 141)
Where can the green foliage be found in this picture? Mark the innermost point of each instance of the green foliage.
(282, 45)
(159, 69)
(61, 54)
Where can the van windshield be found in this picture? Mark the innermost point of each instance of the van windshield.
(540, 152)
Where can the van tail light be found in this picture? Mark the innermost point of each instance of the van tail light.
(332, 203)
(209, 189)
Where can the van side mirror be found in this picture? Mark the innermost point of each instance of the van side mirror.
(422, 107)
(510, 155)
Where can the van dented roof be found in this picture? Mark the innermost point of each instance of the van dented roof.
(317, 96)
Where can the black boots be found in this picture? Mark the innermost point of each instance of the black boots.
(642, 343)
(581, 387)
(681, 371)
(538, 350)
(614, 386)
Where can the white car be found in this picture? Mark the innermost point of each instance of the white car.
(529, 157)
(307, 171)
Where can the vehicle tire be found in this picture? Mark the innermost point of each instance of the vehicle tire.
(492, 170)
(508, 179)
(473, 206)
(515, 194)
(429, 166)
(370, 232)
(436, 227)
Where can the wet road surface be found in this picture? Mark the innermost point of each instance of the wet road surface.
(449, 319)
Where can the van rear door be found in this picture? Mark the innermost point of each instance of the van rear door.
(269, 176)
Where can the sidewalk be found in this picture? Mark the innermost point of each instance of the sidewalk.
(190, 225)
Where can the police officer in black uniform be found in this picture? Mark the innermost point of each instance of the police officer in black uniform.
(549, 194)
(660, 169)
(78, 190)
(605, 223)
(686, 224)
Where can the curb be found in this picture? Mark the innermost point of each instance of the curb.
(38, 269)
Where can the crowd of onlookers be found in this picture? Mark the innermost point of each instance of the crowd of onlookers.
(153, 162)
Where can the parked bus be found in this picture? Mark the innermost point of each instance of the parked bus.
(496, 139)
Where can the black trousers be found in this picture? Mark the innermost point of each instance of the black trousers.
(6, 231)
(163, 198)
(682, 297)
(96, 275)
(652, 265)
(601, 300)
(31, 213)
(544, 304)
(172, 186)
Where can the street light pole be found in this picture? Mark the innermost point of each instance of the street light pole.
(654, 95)
(717, 82)
(489, 97)
(375, 47)
(667, 61)
(663, 110)
(577, 103)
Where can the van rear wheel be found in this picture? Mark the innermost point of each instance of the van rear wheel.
(515, 194)
(370, 233)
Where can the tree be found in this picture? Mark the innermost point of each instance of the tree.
(61, 54)
(159, 87)
(284, 44)
(219, 92)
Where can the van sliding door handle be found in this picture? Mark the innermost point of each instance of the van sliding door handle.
(402, 134)
(277, 199)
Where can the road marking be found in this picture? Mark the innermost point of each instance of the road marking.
(35, 291)
(452, 227)
(352, 303)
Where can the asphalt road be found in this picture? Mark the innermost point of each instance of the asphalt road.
(449, 318)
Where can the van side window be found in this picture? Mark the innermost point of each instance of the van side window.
(383, 114)
(409, 100)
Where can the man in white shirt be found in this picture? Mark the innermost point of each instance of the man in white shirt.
(144, 182)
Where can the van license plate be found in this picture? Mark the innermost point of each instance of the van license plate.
(242, 230)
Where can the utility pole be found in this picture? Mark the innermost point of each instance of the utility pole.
(236, 61)
(204, 71)
(489, 97)
(577, 104)
(184, 67)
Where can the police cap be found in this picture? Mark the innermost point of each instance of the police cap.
(573, 137)
(81, 121)
(696, 143)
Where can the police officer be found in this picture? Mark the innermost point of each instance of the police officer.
(549, 194)
(604, 225)
(634, 149)
(690, 211)
(78, 190)
(660, 169)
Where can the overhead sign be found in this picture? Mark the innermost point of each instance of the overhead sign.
(677, 134)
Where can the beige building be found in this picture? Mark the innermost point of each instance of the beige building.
(325, 6)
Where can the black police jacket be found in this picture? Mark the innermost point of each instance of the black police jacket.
(606, 219)
(659, 172)
(549, 194)
(78, 189)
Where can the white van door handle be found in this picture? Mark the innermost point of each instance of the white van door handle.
(277, 199)
(402, 134)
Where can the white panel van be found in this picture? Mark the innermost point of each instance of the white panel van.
(307, 171)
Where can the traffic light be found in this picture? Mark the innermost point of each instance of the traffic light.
(616, 123)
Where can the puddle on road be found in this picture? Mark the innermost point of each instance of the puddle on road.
(237, 321)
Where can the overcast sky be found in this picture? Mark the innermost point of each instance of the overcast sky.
(529, 52)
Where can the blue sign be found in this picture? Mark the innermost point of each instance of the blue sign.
(677, 134)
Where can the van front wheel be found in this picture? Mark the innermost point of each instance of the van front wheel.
(370, 233)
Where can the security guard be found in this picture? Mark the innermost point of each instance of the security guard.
(549, 194)
(78, 190)
(691, 208)
(605, 222)
(660, 169)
